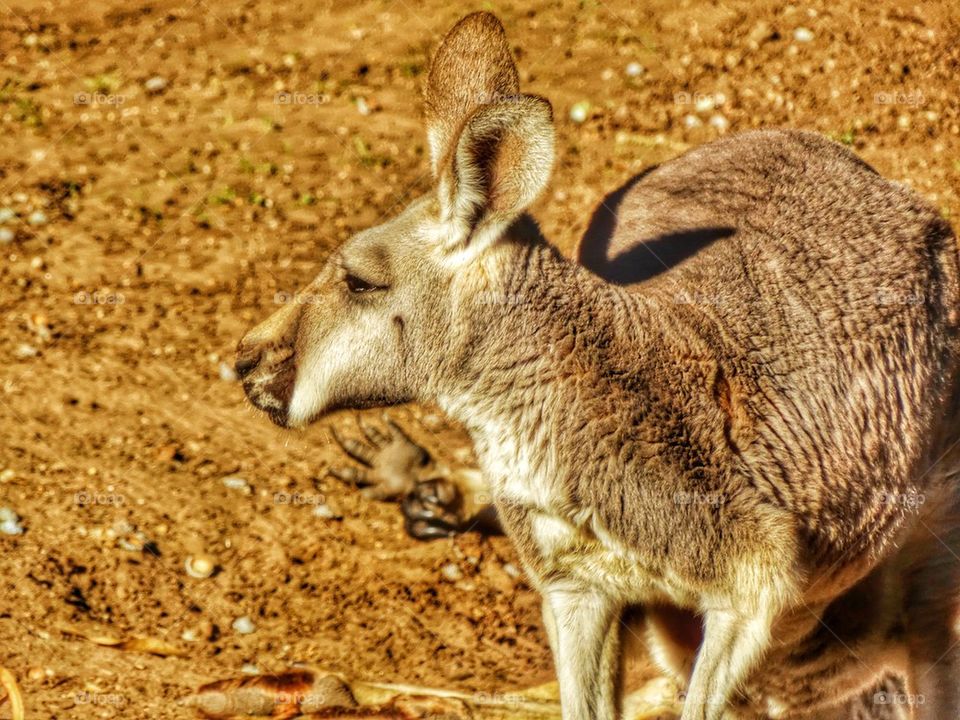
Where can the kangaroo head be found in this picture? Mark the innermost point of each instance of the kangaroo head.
(376, 323)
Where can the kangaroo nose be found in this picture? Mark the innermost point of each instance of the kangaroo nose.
(247, 361)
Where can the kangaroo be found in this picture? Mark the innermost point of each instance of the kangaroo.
(731, 438)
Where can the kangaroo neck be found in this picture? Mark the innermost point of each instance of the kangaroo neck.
(543, 340)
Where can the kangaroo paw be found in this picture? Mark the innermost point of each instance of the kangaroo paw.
(391, 462)
(432, 510)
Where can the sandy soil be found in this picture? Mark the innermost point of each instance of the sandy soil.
(170, 171)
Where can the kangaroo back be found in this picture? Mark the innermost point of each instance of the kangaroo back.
(722, 201)
(828, 297)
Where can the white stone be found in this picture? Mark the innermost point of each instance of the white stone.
(580, 112)
(155, 84)
(244, 625)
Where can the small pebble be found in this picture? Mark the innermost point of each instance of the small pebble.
(704, 104)
(719, 122)
(6, 235)
(227, 373)
(692, 121)
(10, 522)
(580, 111)
(362, 106)
(511, 570)
(189, 635)
(7, 214)
(243, 625)
(235, 482)
(634, 69)
(452, 572)
(200, 566)
(325, 512)
(122, 527)
(802, 34)
(250, 669)
(37, 217)
(134, 541)
(7, 475)
(39, 324)
(155, 84)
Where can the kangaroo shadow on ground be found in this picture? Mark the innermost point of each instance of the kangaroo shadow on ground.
(647, 255)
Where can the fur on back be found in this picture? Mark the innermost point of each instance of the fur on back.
(825, 323)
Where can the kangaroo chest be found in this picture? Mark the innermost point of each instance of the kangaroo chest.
(559, 540)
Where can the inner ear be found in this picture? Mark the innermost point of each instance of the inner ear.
(502, 162)
(491, 156)
(505, 177)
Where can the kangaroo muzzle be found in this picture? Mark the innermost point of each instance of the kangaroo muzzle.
(266, 364)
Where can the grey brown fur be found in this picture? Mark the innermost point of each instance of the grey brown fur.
(739, 436)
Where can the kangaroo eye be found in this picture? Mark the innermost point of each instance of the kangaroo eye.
(359, 285)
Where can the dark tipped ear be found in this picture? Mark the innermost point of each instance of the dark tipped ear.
(473, 66)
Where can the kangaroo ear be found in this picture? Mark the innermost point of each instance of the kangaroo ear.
(472, 67)
(501, 162)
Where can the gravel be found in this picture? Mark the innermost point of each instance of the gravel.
(325, 512)
(10, 522)
(451, 572)
(25, 351)
(227, 373)
(235, 482)
(155, 84)
(244, 625)
(580, 111)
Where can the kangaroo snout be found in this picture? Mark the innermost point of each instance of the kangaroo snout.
(266, 363)
(268, 376)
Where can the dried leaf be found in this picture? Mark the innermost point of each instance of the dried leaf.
(93, 633)
(282, 695)
(106, 638)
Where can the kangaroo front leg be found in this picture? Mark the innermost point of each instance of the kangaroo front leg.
(732, 644)
(581, 623)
